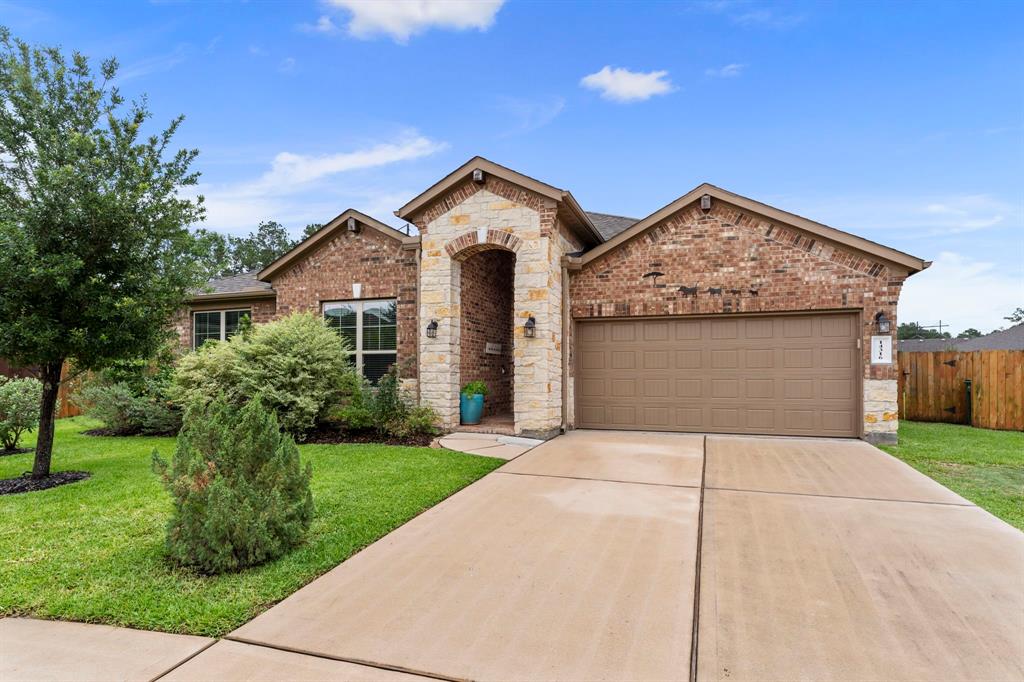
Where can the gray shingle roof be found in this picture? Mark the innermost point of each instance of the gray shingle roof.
(236, 284)
(610, 225)
(1007, 339)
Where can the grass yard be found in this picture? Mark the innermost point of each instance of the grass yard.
(986, 467)
(93, 550)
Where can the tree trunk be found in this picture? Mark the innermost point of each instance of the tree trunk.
(47, 415)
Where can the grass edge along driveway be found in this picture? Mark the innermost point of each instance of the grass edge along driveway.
(93, 551)
(982, 465)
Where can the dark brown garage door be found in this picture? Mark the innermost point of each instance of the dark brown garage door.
(782, 374)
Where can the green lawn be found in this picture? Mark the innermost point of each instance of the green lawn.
(93, 550)
(986, 467)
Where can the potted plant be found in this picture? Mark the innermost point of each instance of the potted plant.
(471, 402)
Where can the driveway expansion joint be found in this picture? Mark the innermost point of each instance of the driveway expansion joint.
(967, 505)
(343, 659)
(695, 628)
(600, 480)
(183, 661)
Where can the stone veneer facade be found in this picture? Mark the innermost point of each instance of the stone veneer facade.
(742, 252)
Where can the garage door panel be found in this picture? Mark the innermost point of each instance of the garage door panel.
(794, 375)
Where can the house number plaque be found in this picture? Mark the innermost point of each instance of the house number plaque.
(881, 350)
(492, 348)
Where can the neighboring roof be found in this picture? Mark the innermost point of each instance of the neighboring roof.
(610, 225)
(325, 232)
(1006, 339)
(480, 163)
(926, 345)
(912, 263)
(244, 285)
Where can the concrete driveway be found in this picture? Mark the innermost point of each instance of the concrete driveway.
(638, 556)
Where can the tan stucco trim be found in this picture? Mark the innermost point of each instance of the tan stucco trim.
(234, 296)
(910, 263)
(445, 184)
(311, 242)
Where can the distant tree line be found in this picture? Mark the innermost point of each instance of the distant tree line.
(913, 330)
(224, 255)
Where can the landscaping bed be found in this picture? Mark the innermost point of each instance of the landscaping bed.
(95, 552)
(985, 466)
(26, 484)
(327, 435)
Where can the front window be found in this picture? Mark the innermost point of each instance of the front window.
(371, 328)
(216, 325)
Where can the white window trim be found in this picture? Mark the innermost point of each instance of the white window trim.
(359, 304)
(223, 319)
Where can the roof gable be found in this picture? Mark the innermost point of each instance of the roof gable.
(320, 237)
(904, 260)
(583, 224)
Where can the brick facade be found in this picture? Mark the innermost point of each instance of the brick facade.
(759, 267)
(486, 284)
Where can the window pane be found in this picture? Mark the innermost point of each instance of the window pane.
(207, 327)
(375, 365)
(232, 319)
(340, 315)
(379, 328)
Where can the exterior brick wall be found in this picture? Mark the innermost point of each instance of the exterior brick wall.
(760, 267)
(378, 263)
(487, 285)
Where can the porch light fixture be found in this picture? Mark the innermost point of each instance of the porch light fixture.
(883, 324)
(432, 329)
(530, 328)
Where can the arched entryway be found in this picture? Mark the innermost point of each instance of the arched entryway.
(487, 286)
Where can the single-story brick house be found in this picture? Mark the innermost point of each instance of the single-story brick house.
(715, 313)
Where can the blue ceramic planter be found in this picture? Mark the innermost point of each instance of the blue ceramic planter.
(471, 408)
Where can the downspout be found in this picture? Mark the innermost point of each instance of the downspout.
(565, 347)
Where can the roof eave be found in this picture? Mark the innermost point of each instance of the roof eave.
(215, 296)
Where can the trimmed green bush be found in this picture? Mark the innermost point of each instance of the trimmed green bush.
(475, 388)
(19, 409)
(241, 496)
(298, 365)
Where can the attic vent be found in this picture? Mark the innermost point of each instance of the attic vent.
(478, 176)
(705, 202)
(353, 225)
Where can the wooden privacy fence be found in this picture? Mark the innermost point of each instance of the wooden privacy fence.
(933, 387)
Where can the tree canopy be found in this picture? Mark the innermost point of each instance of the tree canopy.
(95, 251)
(224, 255)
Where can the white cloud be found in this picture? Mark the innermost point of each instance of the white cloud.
(287, 65)
(961, 292)
(298, 189)
(727, 71)
(151, 65)
(323, 25)
(623, 85)
(749, 13)
(402, 19)
(530, 114)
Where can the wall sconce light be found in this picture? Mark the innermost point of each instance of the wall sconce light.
(530, 328)
(432, 329)
(883, 324)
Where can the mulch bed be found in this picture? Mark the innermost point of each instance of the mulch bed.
(16, 451)
(26, 484)
(328, 436)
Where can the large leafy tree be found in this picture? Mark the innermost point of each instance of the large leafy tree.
(269, 242)
(95, 253)
(913, 330)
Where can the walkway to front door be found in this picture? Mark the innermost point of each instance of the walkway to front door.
(637, 556)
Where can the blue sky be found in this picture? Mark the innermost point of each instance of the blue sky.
(900, 122)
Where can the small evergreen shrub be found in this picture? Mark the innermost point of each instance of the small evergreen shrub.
(241, 496)
(386, 406)
(19, 409)
(419, 421)
(298, 365)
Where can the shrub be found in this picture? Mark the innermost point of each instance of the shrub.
(387, 409)
(241, 496)
(354, 410)
(297, 364)
(132, 396)
(475, 388)
(19, 409)
(419, 421)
